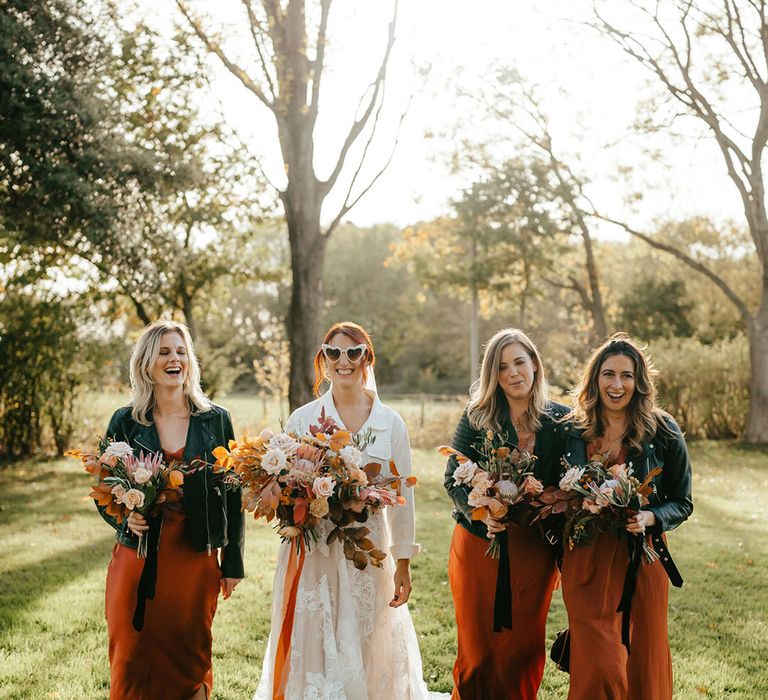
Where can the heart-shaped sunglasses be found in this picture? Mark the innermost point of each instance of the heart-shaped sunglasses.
(354, 354)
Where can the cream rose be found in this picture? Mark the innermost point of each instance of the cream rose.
(118, 491)
(464, 473)
(133, 499)
(481, 480)
(532, 486)
(352, 456)
(289, 531)
(274, 461)
(571, 478)
(323, 486)
(283, 442)
(266, 434)
(141, 475)
(119, 450)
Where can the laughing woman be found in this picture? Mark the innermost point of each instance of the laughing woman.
(509, 398)
(160, 609)
(616, 414)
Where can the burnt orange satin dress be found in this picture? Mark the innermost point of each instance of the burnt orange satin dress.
(505, 665)
(170, 658)
(601, 669)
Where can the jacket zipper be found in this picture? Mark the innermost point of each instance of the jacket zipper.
(207, 526)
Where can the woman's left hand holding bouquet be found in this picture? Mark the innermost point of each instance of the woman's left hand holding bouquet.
(137, 523)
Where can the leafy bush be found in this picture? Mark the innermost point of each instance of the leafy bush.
(44, 360)
(705, 387)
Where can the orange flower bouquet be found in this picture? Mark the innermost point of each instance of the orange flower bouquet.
(124, 483)
(299, 480)
(502, 482)
(597, 498)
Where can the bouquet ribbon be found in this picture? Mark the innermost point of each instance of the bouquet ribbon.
(148, 580)
(502, 602)
(635, 545)
(290, 591)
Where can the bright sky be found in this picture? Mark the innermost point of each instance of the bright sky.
(591, 93)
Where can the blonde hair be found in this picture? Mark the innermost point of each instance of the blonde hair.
(644, 417)
(487, 399)
(143, 359)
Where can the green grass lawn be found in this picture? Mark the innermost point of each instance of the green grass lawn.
(55, 550)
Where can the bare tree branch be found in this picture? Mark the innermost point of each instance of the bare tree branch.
(215, 48)
(688, 260)
(345, 208)
(256, 32)
(317, 68)
(359, 124)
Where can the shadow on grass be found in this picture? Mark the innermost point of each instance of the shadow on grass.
(21, 588)
(30, 492)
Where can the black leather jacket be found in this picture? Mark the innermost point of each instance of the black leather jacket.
(548, 448)
(671, 500)
(214, 515)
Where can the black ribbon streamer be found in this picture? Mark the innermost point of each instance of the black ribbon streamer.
(148, 580)
(635, 545)
(502, 602)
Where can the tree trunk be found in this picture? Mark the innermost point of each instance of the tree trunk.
(474, 323)
(757, 420)
(307, 295)
(187, 309)
(474, 337)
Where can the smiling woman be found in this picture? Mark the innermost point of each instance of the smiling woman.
(160, 632)
(501, 605)
(617, 421)
(351, 634)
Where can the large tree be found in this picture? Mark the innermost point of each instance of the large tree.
(290, 42)
(503, 235)
(516, 104)
(711, 59)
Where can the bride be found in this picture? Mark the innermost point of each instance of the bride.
(352, 637)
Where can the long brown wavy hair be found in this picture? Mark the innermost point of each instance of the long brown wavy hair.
(358, 335)
(644, 417)
(487, 399)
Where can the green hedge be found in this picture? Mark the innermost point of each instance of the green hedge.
(705, 387)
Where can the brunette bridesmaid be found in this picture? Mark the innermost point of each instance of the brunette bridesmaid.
(624, 654)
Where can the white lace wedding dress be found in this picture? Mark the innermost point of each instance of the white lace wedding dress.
(347, 643)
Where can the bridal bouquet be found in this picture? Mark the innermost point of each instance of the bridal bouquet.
(596, 498)
(299, 480)
(124, 483)
(502, 482)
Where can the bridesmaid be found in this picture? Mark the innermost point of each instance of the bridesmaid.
(510, 397)
(616, 413)
(160, 644)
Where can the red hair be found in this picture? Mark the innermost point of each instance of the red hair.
(358, 335)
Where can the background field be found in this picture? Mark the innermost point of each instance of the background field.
(55, 551)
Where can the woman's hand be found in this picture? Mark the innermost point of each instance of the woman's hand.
(228, 586)
(137, 523)
(494, 526)
(403, 585)
(639, 523)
